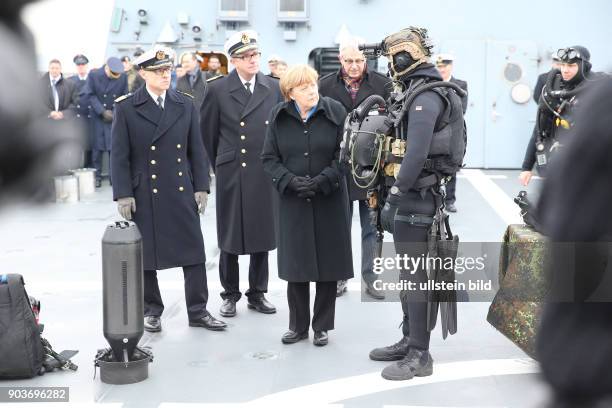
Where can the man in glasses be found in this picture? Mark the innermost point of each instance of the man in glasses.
(350, 85)
(233, 123)
(103, 86)
(560, 94)
(161, 183)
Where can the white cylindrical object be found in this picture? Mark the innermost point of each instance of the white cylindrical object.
(87, 181)
(66, 189)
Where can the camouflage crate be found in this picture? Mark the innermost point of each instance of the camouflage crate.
(516, 308)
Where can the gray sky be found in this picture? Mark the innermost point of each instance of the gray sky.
(64, 28)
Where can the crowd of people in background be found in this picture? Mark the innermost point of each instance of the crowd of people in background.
(88, 94)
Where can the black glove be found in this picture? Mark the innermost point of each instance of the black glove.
(302, 186)
(317, 183)
(387, 215)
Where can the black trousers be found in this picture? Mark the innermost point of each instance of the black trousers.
(96, 159)
(450, 189)
(230, 276)
(298, 297)
(411, 240)
(196, 292)
(87, 162)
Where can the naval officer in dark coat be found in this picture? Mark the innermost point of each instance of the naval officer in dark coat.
(234, 121)
(160, 180)
(83, 108)
(103, 86)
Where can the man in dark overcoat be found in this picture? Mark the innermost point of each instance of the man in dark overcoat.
(82, 106)
(104, 85)
(194, 80)
(234, 120)
(58, 100)
(161, 182)
(350, 86)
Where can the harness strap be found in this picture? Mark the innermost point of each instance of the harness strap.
(415, 219)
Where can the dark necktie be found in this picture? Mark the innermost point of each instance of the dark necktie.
(192, 79)
(248, 88)
(55, 94)
(160, 102)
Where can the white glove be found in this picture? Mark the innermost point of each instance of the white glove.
(201, 198)
(126, 207)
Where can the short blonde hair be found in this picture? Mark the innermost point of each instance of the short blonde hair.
(296, 76)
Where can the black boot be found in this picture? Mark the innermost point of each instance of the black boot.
(393, 352)
(418, 363)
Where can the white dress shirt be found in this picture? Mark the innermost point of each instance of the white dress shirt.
(252, 82)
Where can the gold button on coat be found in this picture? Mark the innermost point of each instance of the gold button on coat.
(180, 173)
(153, 162)
(242, 137)
(243, 164)
(178, 160)
(178, 146)
(152, 147)
(154, 191)
(242, 124)
(154, 176)
(181, 188)
(243, 151)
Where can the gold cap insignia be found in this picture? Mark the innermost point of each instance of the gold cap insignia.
(245, 38)
(160, 55)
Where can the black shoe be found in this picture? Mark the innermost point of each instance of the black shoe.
(228, 308)
(152, 324)
(450, 207)
(208, 322)
(341, 287)
(418, 363)
(261, 305)
(291, 337)
(373, 292)
(320, 338)
(98, 183)
(393, 352)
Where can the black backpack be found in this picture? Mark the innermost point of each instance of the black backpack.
(23, 352)
(448, 156)
(449, 142)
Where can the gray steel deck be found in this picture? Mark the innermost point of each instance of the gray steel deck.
(57, 249)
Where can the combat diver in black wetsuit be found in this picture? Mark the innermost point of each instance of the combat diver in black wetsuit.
(430, 118)
(557, 103)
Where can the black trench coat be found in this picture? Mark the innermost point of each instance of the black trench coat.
(233, 128)
(157, 159)
(314, 242)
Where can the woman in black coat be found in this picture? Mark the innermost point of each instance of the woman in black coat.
(300, 154)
